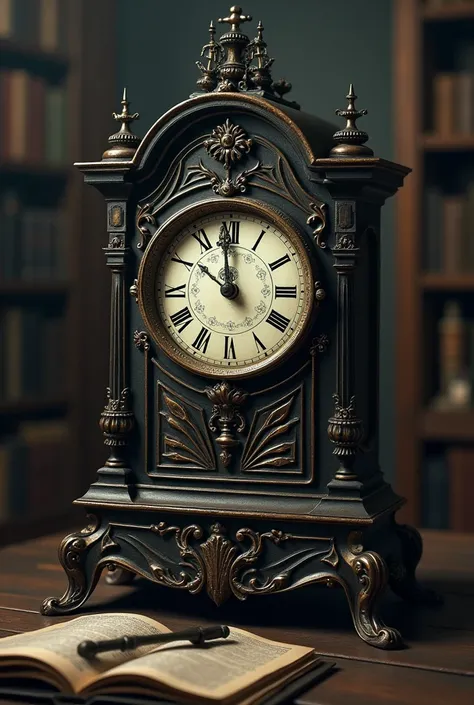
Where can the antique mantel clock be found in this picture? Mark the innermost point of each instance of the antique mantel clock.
(243, 248)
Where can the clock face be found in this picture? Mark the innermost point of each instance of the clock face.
(232, 289)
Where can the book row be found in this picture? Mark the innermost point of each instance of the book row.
(449, 231)
(36, 23)
(32, 120)
(447, 489)
(33, 470)
(453, 96)
(33, 242)
(455, 371)
(32, 355)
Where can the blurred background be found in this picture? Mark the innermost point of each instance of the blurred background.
(63, 65)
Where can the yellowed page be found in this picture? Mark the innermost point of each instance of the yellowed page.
(216, 671)
(56, 646)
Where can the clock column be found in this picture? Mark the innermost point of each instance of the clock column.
(359, 183)
(116, 422)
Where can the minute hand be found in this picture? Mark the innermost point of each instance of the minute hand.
(228, 289)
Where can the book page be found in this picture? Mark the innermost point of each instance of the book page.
(56, 646)
(216, 670)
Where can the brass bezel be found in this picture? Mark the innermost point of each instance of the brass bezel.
(151, 261)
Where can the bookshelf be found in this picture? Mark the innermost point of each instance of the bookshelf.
(57, 74)
(434, 135)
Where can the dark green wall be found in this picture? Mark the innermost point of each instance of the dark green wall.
(320, 47)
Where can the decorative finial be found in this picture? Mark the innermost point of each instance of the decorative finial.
(350, 140)
(213, 53)
(123, 143)
(259, 75)
(235, 18)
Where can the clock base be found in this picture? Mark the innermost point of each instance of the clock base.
(226, 558)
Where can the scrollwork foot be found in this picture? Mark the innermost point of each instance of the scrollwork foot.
(119, 576)
(402, 577)
(72, 556)
(372, 575)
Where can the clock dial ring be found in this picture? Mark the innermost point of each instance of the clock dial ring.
(207, 280)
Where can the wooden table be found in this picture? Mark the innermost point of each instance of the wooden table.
(437, 667)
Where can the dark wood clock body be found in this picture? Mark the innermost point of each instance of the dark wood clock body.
(245, 487)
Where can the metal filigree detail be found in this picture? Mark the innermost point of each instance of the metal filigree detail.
(116, 242)
(260, 451)
(218, 555)
(145, 221)
(107, 541)
(317, 221)
(116, 420)
(141, 340)
(372, 575)
(345, 243)
(346, 431)
(214, 53)
(319, 344)
(248, 583)
(228, 186)
(192, 444)
(193, 576)
(226, 418)
(72, 555)
(228, 143)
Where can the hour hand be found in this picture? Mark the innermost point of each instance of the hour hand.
(205, 269)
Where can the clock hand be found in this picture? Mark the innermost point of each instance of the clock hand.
(228, 288)
(211, 276)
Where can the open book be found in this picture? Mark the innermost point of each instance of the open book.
(243, 668)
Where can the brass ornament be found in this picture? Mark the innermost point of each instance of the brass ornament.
(260, 450)
(317, 221)
(145, 221)
(226, 418)
(186, 442)
(72, 554)
(236, 63)
(116, 421)
(228, 143)
(350, 140)
(141, 340)
(123, 144)
(319, 344)
(345, 431)
(134, 289)
(372, 574)
(218, 556)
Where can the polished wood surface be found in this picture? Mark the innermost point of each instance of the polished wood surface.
(436, 667)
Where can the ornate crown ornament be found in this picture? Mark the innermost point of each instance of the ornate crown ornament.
(236, 63)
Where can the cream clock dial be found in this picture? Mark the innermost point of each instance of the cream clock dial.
(231, 292)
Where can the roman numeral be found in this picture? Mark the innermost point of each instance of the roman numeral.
(279, 262)
(278, 321)
(177, 292)
(203, 240)
(181, 318)
(260, 346)
(229, 350)
(257, 242)
(202, 340)
(177, 258)
(233, 229)
(285, 292)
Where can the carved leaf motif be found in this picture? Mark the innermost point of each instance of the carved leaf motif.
(194, 448)
(258, 453)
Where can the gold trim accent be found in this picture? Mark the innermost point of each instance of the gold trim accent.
(237, 513)
(266, 105)
(147, 284)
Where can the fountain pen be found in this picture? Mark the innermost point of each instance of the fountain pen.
(196, 635)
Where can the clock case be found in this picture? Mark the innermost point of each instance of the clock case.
(247, 487)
